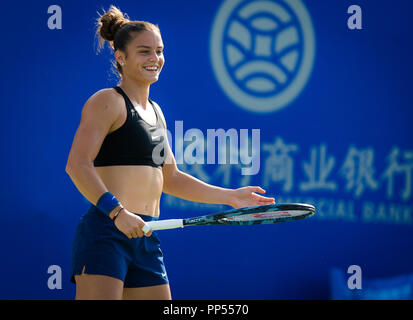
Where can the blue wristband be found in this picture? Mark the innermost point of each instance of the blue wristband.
(107, 202)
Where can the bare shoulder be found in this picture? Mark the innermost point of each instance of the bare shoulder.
(104, 99)
(105, 103)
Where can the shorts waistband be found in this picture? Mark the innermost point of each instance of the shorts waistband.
(94, 210)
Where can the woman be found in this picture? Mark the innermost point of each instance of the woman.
(111, 163)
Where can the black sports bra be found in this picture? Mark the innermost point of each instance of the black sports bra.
(136, 142)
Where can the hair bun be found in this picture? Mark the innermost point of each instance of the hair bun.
(110, 22)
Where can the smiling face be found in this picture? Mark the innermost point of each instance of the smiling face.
(144, 59)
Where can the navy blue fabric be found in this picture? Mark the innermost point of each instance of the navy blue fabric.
(107, 202)
(100, 248)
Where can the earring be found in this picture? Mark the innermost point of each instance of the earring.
(122, 63)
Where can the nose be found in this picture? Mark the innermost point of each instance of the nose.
(154, 57)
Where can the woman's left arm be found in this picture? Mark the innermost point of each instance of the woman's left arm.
(185, 186)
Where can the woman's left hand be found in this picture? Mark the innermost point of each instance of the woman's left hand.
(247, 197)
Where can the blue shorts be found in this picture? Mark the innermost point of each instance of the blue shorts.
(100, 248)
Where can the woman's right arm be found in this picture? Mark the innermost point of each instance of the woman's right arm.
(98, 116)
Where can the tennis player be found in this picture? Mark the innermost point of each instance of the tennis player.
(111, 163)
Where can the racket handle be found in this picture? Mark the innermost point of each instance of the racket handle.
(163, 224)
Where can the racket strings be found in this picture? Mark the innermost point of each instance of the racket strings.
(266, 215)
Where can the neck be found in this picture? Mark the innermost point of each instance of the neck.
(136, 92)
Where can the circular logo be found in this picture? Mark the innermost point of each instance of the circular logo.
(262, 52)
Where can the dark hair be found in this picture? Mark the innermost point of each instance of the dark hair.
(116, 28)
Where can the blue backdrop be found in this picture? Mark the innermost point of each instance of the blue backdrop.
(332, 105)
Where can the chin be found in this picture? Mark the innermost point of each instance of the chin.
(146, 80)
(153, 80)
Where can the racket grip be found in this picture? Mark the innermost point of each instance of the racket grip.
(163, 225)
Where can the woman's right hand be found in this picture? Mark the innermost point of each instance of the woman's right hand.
(130, 224)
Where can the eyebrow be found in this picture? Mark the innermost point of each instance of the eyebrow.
(148, 47)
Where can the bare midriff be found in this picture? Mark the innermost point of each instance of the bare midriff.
(138, 188)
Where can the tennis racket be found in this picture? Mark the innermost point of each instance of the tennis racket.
(266, 214)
